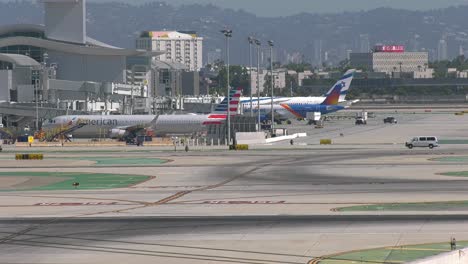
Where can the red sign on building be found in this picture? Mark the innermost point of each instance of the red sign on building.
(389, 48)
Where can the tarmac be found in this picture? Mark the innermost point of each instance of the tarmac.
(272, 204)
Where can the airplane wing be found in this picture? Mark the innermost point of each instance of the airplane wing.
(134, 129)
(127, 132)
(348, 103)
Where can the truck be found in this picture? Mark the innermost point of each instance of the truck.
(313, 117)
(361, 118)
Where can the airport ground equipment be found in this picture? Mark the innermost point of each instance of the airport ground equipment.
(29, 156)
(361, 118)
(313, 117)
(424, 142)
(7, 136)
(325, 141)
(63, 131)
(239, 147)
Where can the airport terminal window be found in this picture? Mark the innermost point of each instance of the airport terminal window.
(5, 65)
(23, 34)
(34, 52)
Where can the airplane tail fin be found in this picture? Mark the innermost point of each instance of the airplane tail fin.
(234, 95)
(339, 90)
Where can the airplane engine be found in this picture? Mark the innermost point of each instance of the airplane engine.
(116, 133)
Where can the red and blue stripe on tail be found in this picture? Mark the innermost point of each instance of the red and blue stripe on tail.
(234, 95)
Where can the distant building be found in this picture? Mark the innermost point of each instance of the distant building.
(179, 46)
(279, 78)
(364, 43)
(390, 59)
(295, 57)
(318, 59)
(442, 50)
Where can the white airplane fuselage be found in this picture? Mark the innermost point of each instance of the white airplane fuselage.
(103, 126)
(99, 126)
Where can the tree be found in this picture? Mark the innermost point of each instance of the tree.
(238, 77)
(267, 85)
(300, 67)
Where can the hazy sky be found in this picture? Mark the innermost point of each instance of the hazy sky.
(288, 7)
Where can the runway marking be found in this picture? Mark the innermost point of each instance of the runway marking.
(167, 187)
(418, 249)
(244, 202)
(77, 204)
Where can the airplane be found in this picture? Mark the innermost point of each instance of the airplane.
(129, 126)
(345, 81)
(192, 123)
(298, 107)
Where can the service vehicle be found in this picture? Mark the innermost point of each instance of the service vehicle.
(423, 142)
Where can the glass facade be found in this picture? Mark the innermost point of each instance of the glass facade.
(34, 52)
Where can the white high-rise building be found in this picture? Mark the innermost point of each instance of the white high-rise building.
(182, 47)
(279, 79)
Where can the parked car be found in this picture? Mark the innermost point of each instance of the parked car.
(390, 120)
(424, 142)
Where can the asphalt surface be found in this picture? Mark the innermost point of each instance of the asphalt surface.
(274, 204)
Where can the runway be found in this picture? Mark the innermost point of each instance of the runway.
(273, 204)
(297, 239)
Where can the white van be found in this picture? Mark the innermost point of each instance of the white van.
(424, 142)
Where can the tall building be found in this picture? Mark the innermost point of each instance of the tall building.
(442, 52)
(179, 46)
(364, 43)
(415, 43)
(318, 59)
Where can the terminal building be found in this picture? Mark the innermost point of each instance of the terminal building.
(390, 59)
(63, 38)
(61, 69)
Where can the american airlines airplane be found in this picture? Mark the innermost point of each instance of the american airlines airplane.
(128, 126)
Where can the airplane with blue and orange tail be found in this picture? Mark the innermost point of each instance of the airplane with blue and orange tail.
(298, 107)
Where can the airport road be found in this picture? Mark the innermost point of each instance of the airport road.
(269, 205)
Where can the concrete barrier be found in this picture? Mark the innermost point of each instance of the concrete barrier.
(293, 136)
(250, 138)
(453, 257)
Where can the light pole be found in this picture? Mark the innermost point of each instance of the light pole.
(251, 41)
(272, 82)
(258, 43)
(36, 98)
(228, 34)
